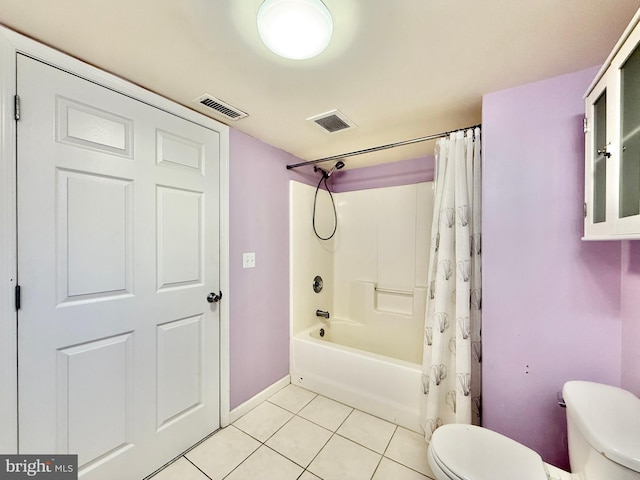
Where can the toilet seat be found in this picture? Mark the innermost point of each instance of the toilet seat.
(467, 452)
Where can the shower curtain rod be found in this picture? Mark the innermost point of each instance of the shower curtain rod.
(381, 147)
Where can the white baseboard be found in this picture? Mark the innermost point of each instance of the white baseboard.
(256, 400)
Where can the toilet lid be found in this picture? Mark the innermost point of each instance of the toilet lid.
(467, 452)
(609, 419)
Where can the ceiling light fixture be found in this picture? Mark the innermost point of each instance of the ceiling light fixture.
(296, 29)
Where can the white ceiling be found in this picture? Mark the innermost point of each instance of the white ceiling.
(400, 69)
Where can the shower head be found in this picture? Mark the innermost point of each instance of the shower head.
(337, 166)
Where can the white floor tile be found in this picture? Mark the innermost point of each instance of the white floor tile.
(367, 430)
(390, 470)
(325, 412)
(265, 464)
(342, 459)
(409, 449)
(181, 469)
(308, 476)
(223, 452)
(292, 398)
(299, 440)
(363, 447)
(263, 421)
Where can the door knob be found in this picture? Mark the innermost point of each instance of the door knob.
(214, 297)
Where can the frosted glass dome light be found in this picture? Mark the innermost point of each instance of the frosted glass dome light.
(296, 29)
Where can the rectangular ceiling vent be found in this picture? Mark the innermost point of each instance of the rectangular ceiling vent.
(333, 122)
(223, 108)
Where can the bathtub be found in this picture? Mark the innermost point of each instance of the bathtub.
(380, 385)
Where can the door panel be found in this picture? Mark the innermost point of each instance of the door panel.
(118, 237)
(180, 345)
(94, 228)
(179, 237)
(104, 407)
(92, 128)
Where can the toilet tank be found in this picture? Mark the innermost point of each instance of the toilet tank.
(603, 424)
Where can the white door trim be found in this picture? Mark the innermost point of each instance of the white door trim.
(12, 43)
(8, 327)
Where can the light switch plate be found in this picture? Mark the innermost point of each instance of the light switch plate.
(248, 260)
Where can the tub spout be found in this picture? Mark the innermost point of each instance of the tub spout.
(322, 313)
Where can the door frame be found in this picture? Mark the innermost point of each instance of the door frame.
(12, 43)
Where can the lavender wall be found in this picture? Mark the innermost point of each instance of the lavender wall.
(630, 305)
(259, 297)
(404, 172)
(551, 302)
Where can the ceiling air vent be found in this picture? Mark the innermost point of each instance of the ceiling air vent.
(333, 121)
(230, 112)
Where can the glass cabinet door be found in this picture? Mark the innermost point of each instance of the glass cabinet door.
(630, 136)
(612, 145)
(599, 155)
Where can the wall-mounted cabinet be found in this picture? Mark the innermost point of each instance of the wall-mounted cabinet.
(612, 167)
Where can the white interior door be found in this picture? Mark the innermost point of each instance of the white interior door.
(118, 239)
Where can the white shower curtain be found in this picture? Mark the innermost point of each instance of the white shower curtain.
(452, 348)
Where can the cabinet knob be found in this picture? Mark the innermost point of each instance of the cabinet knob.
(603, 151)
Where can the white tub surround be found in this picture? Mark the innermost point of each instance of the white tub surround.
(374, 274)
(383, 321)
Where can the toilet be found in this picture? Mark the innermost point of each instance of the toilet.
(603, 425)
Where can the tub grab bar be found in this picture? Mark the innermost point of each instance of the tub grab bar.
(394, 291)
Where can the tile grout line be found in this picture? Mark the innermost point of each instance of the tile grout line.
(377, 467)
(389, 442)
(306, 468)
(246, 458)
(333, 433)
(203, 472)
(318, 452)
(315, 395)
(294, 414)
(184, 455)
(264, 443)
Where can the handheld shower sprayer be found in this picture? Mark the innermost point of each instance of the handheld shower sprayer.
(325, 175)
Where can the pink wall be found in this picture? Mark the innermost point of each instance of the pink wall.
(551, 302)
(259, 297)
(631, 316)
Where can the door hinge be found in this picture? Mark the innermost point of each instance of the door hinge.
(17, 296)
(585, 210)
(585, 125)
(16, 107)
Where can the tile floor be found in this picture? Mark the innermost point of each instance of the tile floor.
(297, 434)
